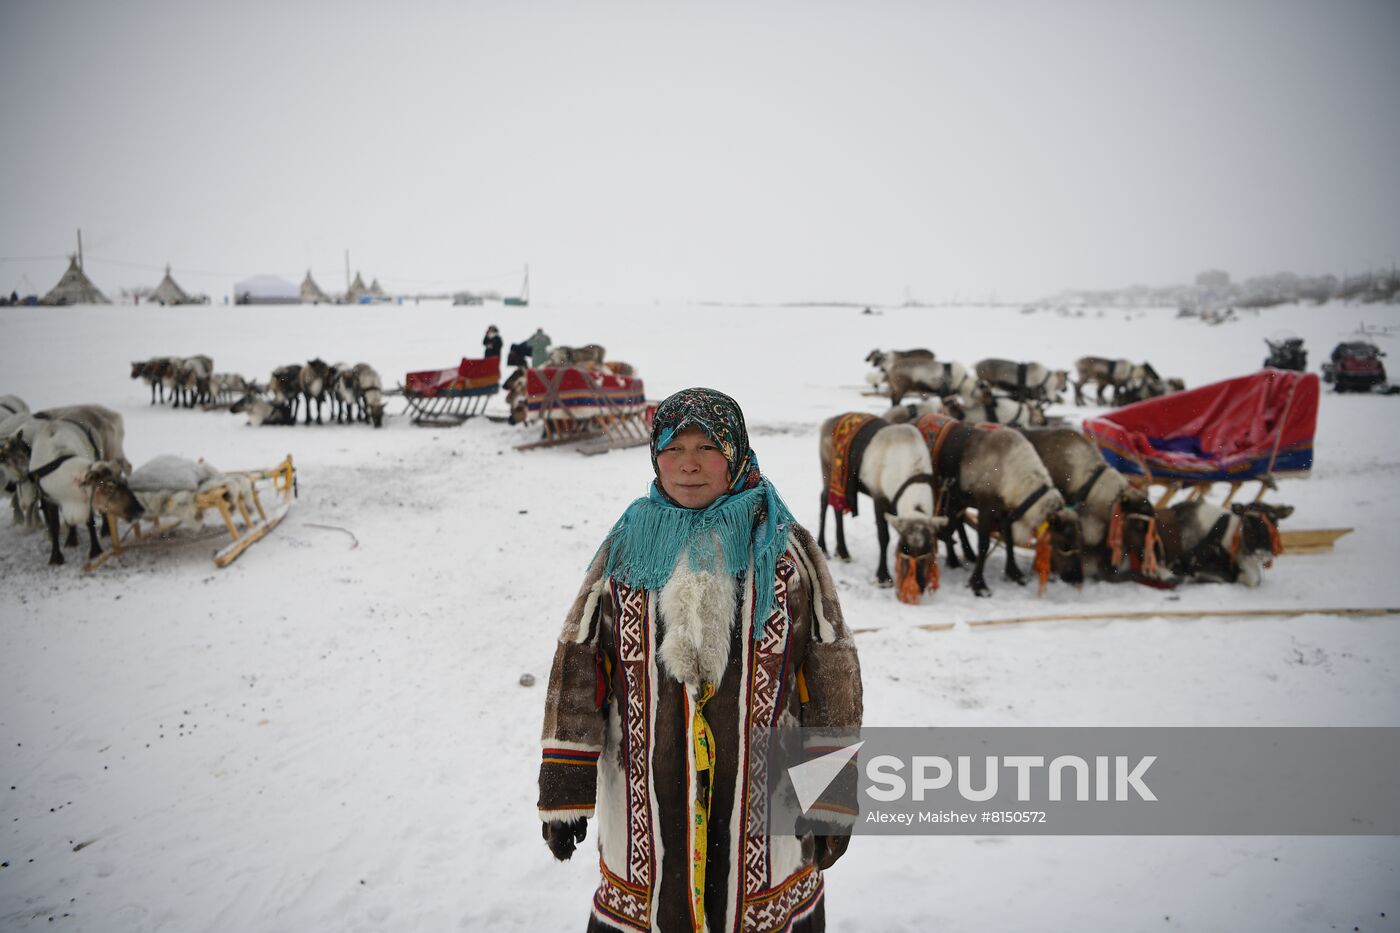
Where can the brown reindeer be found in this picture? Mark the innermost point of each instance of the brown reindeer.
(1105, 374)
(1023, 381)
(1115, 517)
(1204, 541)
(996, 471)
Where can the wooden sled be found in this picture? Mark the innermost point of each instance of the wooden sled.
(223, 495)
(599, 411)
(444, 398)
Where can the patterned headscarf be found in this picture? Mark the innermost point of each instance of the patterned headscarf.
(720, 417)
(746, 526)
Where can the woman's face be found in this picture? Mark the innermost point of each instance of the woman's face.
(693, 470)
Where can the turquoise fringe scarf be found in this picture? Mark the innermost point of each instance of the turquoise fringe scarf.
(648, 539)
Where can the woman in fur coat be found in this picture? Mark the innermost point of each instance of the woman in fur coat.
(706, 616)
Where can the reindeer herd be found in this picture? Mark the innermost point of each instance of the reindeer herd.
(1000, 391)
(355, 392)
(972, 455)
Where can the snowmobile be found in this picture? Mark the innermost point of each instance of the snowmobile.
(1356, 367)
(1287, 353)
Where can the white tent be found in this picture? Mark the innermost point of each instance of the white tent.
(266, 290)
(311, 293)
(168, 293)
(74, 288)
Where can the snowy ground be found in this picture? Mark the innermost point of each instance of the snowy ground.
(330, 735)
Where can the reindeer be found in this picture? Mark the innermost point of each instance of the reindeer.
(225, 388)
(1115, 517)
(192, 378)
(996, 409)
(910, 412)
(882, 360)
(285, 386)
(893, 470)
(931, 378)
(261, 411)
(341, 388)
(12, 405)
(1105, 373)
(15, 445)
(150, 370)
(516, 399)
(996, 471)
(1024, 382)
(312, 380)
(1204, 541)
(368, 393)
(67, 446)
(588, 357)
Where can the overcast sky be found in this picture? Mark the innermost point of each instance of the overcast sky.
(735, 151)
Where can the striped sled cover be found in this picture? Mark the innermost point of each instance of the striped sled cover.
(1238, 429)
(470, 377)
(573, 393)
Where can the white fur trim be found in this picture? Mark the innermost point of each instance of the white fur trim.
(658, 848)
(612, 799)
(590, 605)
(697, 610)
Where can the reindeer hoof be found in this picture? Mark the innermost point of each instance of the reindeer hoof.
(981, 591)
(885, 583)
(55, 559)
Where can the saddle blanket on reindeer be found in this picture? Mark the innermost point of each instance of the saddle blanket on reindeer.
(1239, 429)
(577, 394)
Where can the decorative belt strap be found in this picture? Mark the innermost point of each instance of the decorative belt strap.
(1021, 375)
(46, 469)
(916, 478)
(704, 739)
(1082, 493)
(1027, 502)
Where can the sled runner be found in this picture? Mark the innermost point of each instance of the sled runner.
(444, 398)
(598, 410)
(222, 492)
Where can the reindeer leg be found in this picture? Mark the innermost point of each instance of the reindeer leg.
(882, 531)
(951, 560)
(841, 552)
(968, 554)
(51, 519)
(821, 528)
(72, 539)
(1013, 572)
(978, 582)
(318, 409)
(94, 548)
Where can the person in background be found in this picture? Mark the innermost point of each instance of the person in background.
(539, 347)
(706, 618)
(492, 341)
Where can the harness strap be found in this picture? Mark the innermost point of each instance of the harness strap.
(1080, 495)
(916, 478)
(1021, 375)
(51, 466)
(1026, 503)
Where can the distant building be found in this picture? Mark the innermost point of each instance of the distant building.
(266, 290)
(74, 288)
(311, 293)
(168, 293)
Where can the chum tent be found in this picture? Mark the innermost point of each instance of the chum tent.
(266, 290)
(311, 293)
(168, 293)
(357, 290)
(74, 288)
